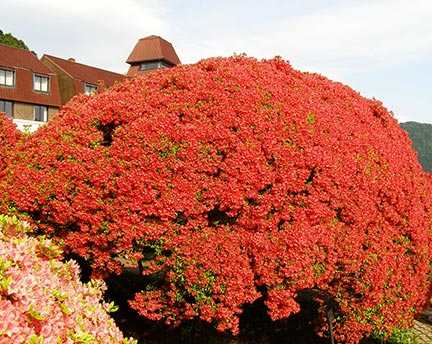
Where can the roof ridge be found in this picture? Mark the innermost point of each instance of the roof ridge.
(82, 64)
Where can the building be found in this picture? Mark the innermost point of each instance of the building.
(29, 91)
(149, 54)
(75, 78)
(33, 90)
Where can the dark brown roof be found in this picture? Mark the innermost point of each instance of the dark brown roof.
(87, 74)
(153, 48)
(25, 64)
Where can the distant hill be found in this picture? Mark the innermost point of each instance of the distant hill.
(421, 137)
(8, 39)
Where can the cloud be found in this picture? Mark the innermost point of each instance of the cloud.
(342, 35)
(97, 32)
(115, 15)
(375, 30)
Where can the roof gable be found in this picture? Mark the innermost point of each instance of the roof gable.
(153, 48)
(85, 73)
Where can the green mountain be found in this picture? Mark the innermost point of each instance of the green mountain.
(8, 39)
(421, 137)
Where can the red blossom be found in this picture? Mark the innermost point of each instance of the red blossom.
(242, 179)
(10, 136)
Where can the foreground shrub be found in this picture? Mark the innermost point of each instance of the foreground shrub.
(42, 299)
(237, 179)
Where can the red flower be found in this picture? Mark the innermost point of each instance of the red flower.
(231, 176)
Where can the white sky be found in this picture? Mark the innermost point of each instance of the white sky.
(381, 48)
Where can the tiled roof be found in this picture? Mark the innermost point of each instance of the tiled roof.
(153, 48)
(25, 64)
(19, 58)
(87, 74)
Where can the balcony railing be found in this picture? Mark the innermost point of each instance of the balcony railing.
(27, 126)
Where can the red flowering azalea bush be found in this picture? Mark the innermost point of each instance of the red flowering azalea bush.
(232, 180)
(9, 137)
(42, 299)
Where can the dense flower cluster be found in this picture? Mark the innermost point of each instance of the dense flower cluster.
(9, 137)
(235, 179)
(42, 299)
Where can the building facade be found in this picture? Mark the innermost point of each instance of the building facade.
(75, 78)
(29, 90)
(32, 91)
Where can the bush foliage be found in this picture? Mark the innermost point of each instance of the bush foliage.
(42, 299)
(235, 179)
(10, 136)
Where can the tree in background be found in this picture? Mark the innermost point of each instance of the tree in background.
(8, 39)
(234, 180)
(421, 136)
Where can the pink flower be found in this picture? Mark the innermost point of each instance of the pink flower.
(44, 297)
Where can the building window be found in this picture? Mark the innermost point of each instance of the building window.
(154, 65)
(90, 89)
(41, 83)
(6, 107)
(7, 77)
(40, 113)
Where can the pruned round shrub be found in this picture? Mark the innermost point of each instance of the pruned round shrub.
(42, 299)
(235, 179)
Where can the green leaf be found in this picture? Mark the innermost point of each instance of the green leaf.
(112, 307)
(4, 282)
(34, 313)
(65, 309)
(83, 338)
(59, 295)
(35, 339)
